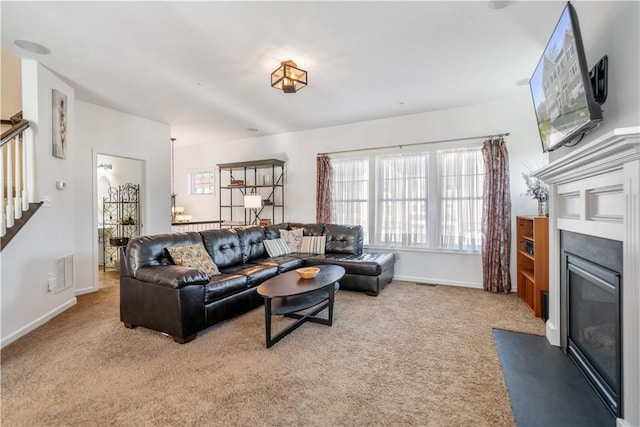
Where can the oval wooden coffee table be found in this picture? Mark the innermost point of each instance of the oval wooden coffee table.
(287, 294)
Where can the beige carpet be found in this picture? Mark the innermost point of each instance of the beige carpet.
(415, 355)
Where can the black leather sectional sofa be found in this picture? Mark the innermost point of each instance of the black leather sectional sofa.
(180, 301)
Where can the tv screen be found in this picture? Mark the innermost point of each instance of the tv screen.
(561, 87)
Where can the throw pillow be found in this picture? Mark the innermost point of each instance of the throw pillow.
(313, 245)
(194, 256)
(292, 239)
(276, 247)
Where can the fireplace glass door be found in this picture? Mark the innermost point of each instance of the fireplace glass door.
(594, 326)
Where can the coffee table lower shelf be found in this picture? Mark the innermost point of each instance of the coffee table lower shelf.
(290, 306)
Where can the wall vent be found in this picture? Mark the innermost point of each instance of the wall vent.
(64, 273)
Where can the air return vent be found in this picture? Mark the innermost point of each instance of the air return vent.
(64, 273)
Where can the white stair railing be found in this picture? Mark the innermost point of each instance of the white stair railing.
(13, 173)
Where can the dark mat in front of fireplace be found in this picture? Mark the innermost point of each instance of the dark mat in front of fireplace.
(545, 386)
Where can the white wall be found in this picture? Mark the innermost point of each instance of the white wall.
(299, 149)
(29, 257)
(619, 41)
(101, 130)
(69, 226)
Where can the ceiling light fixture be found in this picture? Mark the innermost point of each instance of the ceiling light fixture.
(288, 77)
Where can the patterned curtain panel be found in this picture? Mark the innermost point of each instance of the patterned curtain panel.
(324, 189)
(496, 217)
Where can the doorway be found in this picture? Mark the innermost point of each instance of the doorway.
(118, 211)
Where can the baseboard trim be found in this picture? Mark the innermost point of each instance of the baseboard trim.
(37, 323)
(86, 291)
(438, 281)
(552, 333)
(620, 422)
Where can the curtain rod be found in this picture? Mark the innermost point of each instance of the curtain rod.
(413, 144)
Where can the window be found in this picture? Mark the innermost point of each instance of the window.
(461, 174)
(573, 70)
(201, 182)
(351, 193)
(428, 199)
(401, 217)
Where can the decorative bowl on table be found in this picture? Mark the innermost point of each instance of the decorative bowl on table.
(308, 272)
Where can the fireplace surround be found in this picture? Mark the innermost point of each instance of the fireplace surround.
(595, 191)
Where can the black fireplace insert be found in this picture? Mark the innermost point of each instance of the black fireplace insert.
(592, 314)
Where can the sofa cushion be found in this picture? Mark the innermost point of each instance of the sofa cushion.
(194, 256)
(312, 245)
(344, 239)
(255, 273)
(283, 263)
(251, 238)
(368, 264)
(224, 246)
(223, 285)
(173, 276)
(276, 247)
(273, 231)
(313, 229)
(293, 239)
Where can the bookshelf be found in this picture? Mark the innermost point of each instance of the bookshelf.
(532, 260)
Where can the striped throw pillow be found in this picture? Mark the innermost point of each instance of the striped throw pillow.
(276, 247)
(312, 245)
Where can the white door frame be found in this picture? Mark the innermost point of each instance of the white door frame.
(94, 210)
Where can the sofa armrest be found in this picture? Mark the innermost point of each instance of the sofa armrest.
(172, 276)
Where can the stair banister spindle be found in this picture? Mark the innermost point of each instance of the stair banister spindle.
(17, 201)
(25, 193)
(3, 224)
(9, 212)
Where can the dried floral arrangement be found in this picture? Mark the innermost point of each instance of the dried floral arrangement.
(536, 188)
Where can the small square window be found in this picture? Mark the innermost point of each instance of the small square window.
(201, 182)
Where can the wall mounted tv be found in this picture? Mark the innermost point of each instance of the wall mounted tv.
(561, 87)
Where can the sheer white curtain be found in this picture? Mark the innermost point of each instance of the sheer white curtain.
(461, 174)
(401, 216)
(351, 193)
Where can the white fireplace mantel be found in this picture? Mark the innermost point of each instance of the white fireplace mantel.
(595, 190)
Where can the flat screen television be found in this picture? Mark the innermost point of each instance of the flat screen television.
(561, 87)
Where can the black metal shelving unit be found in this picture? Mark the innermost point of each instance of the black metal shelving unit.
(121, 221)
(260, 177)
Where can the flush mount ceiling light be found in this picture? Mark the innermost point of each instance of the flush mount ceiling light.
(288, 77)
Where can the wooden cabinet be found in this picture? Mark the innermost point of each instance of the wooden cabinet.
(533, 260)
(263, 179)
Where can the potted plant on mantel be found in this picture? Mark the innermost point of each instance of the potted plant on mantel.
(538, 190)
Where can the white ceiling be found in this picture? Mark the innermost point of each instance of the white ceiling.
(204, 67)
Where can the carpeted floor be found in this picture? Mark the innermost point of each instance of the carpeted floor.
(415, 355)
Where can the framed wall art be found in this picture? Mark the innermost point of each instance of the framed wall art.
(59, 124)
